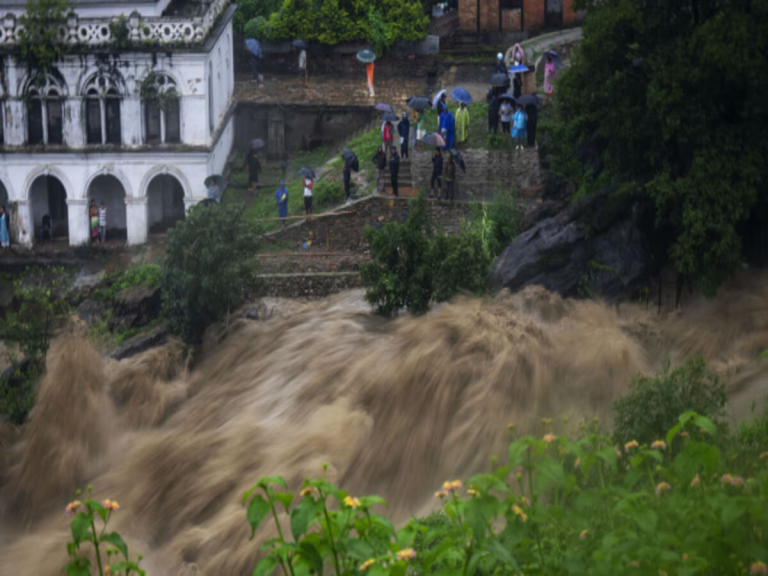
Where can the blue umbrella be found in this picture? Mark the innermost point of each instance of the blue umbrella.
(366, 56)
(461, 95)
(254, 47)
(518, 68)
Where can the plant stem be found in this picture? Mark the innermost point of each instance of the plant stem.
(96, 545)
(330, 535)
(468, 557)
(279, 532)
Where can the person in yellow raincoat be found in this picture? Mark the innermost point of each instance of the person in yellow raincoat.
(462, 123)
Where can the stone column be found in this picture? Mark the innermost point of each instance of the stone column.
(79, 226)
(136, 220)
(22, 226)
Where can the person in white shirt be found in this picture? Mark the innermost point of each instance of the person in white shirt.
(308, 184)
(506, 117)
(103, 222)
(303, 65)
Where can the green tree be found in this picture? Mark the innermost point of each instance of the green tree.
(248, 10)
(209, 263)
(672, 96)
(41, 46)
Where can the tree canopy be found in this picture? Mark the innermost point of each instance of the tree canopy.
(673, 96)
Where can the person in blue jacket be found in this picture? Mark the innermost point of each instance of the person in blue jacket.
(281, 197)
(448, 129)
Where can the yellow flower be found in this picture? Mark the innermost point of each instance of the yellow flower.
(471, 492)
(352, 502)
(583, 535)
(452, 486)
(306, 492)
(659, 445)
(510, 426)
(107, 570)
(630, 444)
(519, 513)
(406, 554)
(549, 438)
(367, 564)
(758, 569)
(72, 506)
(703, 430)
(110, 504)
(577, 463)
(763, 455)
(662, 487)
(696, 481)
(441, 494)
(684, 434)
(524, 501)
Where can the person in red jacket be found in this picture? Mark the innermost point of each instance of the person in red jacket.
(389, 134)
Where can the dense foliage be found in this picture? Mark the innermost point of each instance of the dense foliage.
(413, 265)
(557, 506)
(653, 401)
(40, 45)
(380, 22)
(250, 10)
(673, 96)
(209, 264)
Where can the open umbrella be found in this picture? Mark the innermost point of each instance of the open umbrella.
(383, 107)
(499, 79)
(555, 58)
(527, 100)
(461, 95)
(434, 139)
(218, 179)
(299, 44)
(519, 68)
(307, 172)
(419, 103)
(366, 56)
(437, 97)
(350, 159)
(254, 47)
(457, 157)
(389, 117)
(507, 97)
(347, 153)
(257, 143)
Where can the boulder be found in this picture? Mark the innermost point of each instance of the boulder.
(89, 310)
(594, 243)
(135, 306)
(141, 343)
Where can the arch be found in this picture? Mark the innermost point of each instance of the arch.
(92, 72)
(165, 203)
(107, 189)
(5, 197)
(110, 170)
(101, 110)
(164, 169)
(46, 170)
(48, 195)
(52, 80)
(161, 112)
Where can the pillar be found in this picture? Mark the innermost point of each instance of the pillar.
(22, 227)
(276, 130)
(136, 220)
(79, 227)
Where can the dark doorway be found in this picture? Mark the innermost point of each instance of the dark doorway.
(165, 203)
(108, 190)
(554, 15)
(47, 196)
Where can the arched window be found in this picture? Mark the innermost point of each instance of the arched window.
(102, 112)
(44, 114)
(162, 120)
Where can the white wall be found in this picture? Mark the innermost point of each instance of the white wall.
(218, 158)
(220, 60)
(100, 9)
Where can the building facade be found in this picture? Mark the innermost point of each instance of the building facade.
(136, 116)
(480, 16)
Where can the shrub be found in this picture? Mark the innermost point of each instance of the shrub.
(209, 263)
(147, 274)
(327, 193)
(503, 214)
(462, 263)
(19, 392)
(652, 402)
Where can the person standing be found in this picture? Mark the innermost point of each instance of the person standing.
(442, 107)
(549, 76)
(437, 172)
(93, 215)
(520, 127)
(450, 177)
(419, 132)
(281, 198)
(448, 129)
(388, 138)
(506, 117)
(462, 123)
(394, 170)
(500, 68)
(404, 130)
(533, 118)
(369, 72)
(254, 167)
(303, 66)
(493, 112)
(103, 222)
(380, 160)
(347, 174)
(5, 230)
(517, 86)
(308, 185)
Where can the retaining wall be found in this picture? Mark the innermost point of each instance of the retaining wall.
(316, 285)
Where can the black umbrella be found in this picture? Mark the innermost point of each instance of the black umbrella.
(527, 100)
(307, 172)
(434, 139)
(457, 157)
(389, 117)
(507, 97)
(499, 79)
(419, 103)
(217, 179)
(555, 58)
(257, 143)
(299, 44)
(383, 107)
(347, 153)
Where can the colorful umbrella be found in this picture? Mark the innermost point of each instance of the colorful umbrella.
(519, 68)
(366, 56)
(461, 95)
(436, 99)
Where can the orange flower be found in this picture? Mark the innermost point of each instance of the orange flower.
(758, 569)
(441, 494)
(703, 430)
(72, 506)
(110, 504)
(583, 535)
(352, 502)
(659, 445)
(662, 487)
(684, 434)
(367, 564)
(306, 492)
(631, 444)
(696, 481)
(406, 554)
(685, 557)
(763, 455)
(549, 438)
(452, 486)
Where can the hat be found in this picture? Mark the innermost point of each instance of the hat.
(499, 56)
(282, 183)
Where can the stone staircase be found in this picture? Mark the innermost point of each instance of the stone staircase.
(404, 181)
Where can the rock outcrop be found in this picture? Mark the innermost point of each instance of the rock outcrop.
(135, 306)
(594, 245)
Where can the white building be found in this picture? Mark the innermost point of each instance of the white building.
(137, 115)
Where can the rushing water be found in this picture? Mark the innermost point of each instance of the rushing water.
(394, 407)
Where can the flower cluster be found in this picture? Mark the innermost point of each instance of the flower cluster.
(406, 554)
(519, 512)
(549, 438)
(732, 480)
(631, 444)
(659, 445)
(367, 564)
(696, 481)
(471, 492)
(758, 569)
(352, 502)
(452, 486)
(110, 504)
(72, 507)
(306, 492)
(662, 487)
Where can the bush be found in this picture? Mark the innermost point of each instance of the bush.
(327, 193)
(147, 274)
(652, 402)
(19, 392)
(462, 262)
(503, 214)
(209, 263)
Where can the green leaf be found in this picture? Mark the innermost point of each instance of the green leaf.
(550, 471)
(301, 518)
(117, 541)
(81, 528)
(359, 549)
(285, 498)
(516, 453)
(730, 512)
(646, 519)
(382, 522)
(707, 424)
(312, 556)
(79, 567)
(502, 554)
(265, 566)
(608, 455)
(369, 501)
(258, 508)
